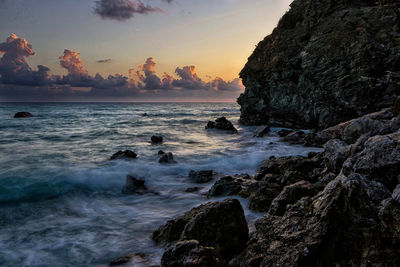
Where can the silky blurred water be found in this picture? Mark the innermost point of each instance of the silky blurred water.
(60, 197)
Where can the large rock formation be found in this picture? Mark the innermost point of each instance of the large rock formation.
(326, 62)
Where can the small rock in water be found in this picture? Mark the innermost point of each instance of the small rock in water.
(145, 115)
(222, 124)
(284, 132)
(201, 176)
(296, 137)
(22, 115)
(124, 154)
(261, 131)
(133, 186)
(167, 158)
(155, 139)
(192, 189)
(160, 152)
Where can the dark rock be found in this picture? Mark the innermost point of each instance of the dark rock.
(285, 132)
(261, 131)
(222, 124)
(225, 186)
(296, 137)
(201, 176)
(336, 152)
(396, 194)
(190, 253)
(134, 258)
(160, 152)
(127, 154)
(23, 115)
(167, 158)
(396, 107)
(145, 115)
(192, 189)
(221, 225)
(134, 186)
(261, 199)
(156, 139)
(326, 62)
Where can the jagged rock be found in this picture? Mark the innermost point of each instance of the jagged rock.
(225, 186)
(23, 115)
(222, 124)
(201, 176)
(134, 186)
(326, 62)
(127, 154)
(167, 158)
(261, 199)
(221, 225)
(294, 138)
(261, 131)
(191, 254)
(156, 139)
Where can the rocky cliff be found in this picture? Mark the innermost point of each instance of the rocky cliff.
(326, 62)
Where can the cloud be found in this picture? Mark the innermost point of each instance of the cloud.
(19, 81)
(123, 9)
(108, 60)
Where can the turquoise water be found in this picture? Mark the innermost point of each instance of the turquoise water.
(60, 197)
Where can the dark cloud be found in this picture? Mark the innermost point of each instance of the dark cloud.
(123, 9)
(108, 60)
(19, 81)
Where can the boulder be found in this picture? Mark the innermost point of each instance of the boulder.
(167, 158)
(261, 199)
(127, 154)
(156, 139)
(222, 124)
(225, 186)
(190, 253)
(201, 176)
(23, 115)
(261, 131)
(134, 186)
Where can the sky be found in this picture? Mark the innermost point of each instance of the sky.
(129, 50)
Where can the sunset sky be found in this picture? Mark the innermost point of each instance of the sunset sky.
(175, 49)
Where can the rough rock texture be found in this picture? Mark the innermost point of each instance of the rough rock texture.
(220, 225)
(22, 115)
(326, 62)
(127, 154)
(167, 158)
(222, 124)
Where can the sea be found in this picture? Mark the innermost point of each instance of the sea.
(60, 196)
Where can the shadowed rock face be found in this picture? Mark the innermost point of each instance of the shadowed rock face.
(326, 62)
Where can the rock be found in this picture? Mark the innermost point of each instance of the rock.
(285, 132)
(290, 195)
(201, 176)
(222, 124)
(192, 189)
(191, 254)
(160, 152)
(261, 199)
(261, 131)
(23, 115)
(221, 225)
(296, 137)
(127, 154)
(359, 127)
(156, 139)
(336, 152)
(396, 194)
(134, 186)
(145, 115)
(326, 62)
(396, 107)
(134, 258)
(225, 186)
(167, 158)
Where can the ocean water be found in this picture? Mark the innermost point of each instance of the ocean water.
(60, 197)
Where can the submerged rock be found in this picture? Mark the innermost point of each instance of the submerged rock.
(326, 62)
(23, 115)
(222, 124)
(134, 186)
(201, 176)
(156, 139)
(127, 154)
(167, 158)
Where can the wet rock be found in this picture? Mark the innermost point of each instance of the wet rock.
(167, 158)
(160, 152)
(261, 131)
(201, 176)
(192, 189)
(261, 199)
(132, 259)
(145, 115)
(23, 115)
(127, 154)
(225, 186)
(156, 139)
(285, 132)
(191, 254)
(294, 138)
(134, 186)
(222, 124)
